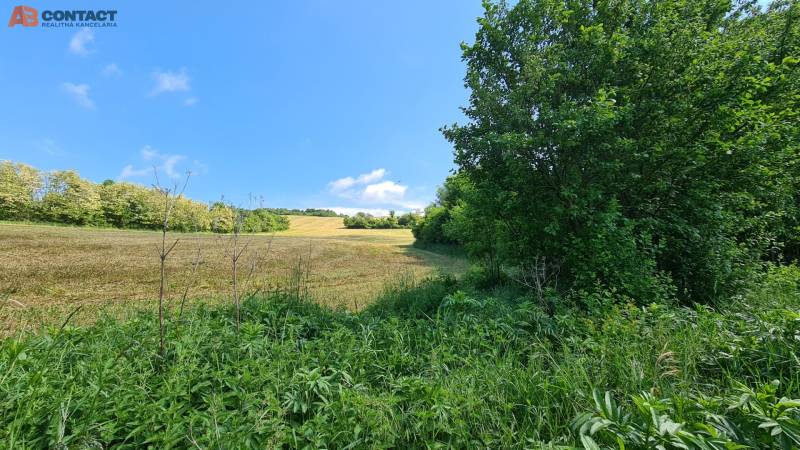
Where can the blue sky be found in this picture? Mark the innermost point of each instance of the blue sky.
(307, 103)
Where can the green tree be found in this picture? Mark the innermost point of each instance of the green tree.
(638, 144)
(189, 215)
(408, 220)
(222, 218)
(125, 205)
(70, 199)
(19, 186)
(261, 220)
(360, 220)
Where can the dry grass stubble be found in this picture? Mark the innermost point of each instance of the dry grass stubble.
(48, 271)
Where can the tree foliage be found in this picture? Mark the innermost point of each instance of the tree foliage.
(70, 199)
(19, 187)
(642, 145)
(64, 197)
(365, 221)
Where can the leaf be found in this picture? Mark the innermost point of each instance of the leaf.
(589, 443)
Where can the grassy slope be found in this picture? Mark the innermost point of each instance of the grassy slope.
(422, 368)
(53, 269)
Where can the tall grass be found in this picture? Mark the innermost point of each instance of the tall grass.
(431, 364)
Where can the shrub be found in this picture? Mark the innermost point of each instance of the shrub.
(261, 220)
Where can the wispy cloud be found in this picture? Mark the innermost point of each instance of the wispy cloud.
(191, 101)
(49, 147)
(79, 93)
(171, 82)
(112, 70)
(80, 40)
(172, 165)
(130, 172)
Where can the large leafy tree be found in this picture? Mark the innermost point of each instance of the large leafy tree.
(70, 199)
(19, 186)
(640, 144)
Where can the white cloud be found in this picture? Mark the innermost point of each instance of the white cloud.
(375, 175)
(342, 184)
(384, 192)
(49, 146)
(80, 40)
(368, 189)
(199, 168)
(171, 82)
(148, 153)
(190, 101)
(79, 93)
(130, 172)
(112, 70)
(164, 163)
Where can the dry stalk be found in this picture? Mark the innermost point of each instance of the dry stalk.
(236, 253)
(537, 276)
(171, 196)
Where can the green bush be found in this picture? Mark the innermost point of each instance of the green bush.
(430, 230)
(261, 220)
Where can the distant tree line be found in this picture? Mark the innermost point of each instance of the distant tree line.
(64, 197)
(304, 212)
(366, 221)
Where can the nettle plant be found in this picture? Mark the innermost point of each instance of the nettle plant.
(751, 419)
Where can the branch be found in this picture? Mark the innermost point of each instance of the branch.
(75, 311)
(191, 281)
(172, 247)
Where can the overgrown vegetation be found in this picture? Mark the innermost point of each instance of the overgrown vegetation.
(64, 197)
(432, 364)
(649, 147)
(367, 221)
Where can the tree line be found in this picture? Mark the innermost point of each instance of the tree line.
(644, 148)
(367, 221)
(316, 212)
(64, 197)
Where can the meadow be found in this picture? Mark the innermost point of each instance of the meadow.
(49, 271)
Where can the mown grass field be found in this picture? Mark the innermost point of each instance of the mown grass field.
(48, 271)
